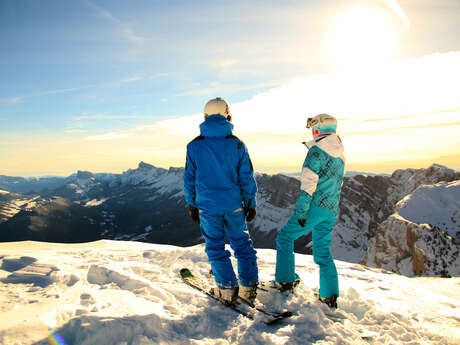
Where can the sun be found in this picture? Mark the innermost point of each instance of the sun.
(361, 37)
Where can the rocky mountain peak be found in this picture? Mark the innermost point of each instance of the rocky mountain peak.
(145, 166)
(278, 190)
(176, 171)
(413, 249)
(84, 175)
(406, 181)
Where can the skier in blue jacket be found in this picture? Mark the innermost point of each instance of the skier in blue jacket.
(316, 209)
(220, 190)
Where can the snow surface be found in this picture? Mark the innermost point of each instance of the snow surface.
(95, 202)
(130, 293)
(437, 204)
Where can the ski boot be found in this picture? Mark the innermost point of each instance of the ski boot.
(331, 302)
(228, 296)
(282, 287)
(248, 293)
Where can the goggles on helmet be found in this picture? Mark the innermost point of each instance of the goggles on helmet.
(311, 122)
(322, 119)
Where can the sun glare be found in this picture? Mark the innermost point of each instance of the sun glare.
(361, 37)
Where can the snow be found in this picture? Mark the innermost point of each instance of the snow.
(437, 205)
(4, 191)
(13, 207)
(95, 202)
(130, 293)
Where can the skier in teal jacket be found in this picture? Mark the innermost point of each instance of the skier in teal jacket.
(316, 209)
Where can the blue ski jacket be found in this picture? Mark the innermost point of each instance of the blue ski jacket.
(322, 176)
(219, 175)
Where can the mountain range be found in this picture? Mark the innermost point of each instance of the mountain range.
(407, 222)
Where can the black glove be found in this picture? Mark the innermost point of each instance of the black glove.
(249, 212)
(194, 214)
(302, 222)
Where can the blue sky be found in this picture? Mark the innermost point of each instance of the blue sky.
(72, 71)
(148, 59)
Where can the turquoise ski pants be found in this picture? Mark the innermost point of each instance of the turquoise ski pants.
(320, 221)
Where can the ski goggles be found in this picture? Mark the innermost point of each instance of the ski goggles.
(325, 120)
(311, 122)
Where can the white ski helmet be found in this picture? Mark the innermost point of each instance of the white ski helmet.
(321, 124)
(217, 106)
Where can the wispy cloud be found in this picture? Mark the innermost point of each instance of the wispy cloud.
(12, 100)
(126, 31)
(132, 79)
(215, 88)
(116, 83)
(224, 63)
(105, 117)
(21, 98)
(108, 136)
(393, 4)
(75, 131)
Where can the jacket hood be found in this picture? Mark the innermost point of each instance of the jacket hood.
(216, 126)
(331, 144)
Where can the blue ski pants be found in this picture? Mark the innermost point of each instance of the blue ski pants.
(214, 227)
(320, 221)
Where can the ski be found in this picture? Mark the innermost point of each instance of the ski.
(241, 306)
(331, 313)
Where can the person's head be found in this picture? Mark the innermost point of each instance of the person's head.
(322, 124)
(217, 106)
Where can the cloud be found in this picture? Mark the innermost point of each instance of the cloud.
(410, 108)
(126, 31)
(105, 117)
(224, 63)
(21, 98)
(131, 79)
(75, 130)
(218, 88)
(12, 100)
(412, 87)
(107, 136)
(393, 4)
(402, 115)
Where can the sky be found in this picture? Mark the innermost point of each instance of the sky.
(102, 85)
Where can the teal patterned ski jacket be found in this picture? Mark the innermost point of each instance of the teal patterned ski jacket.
(322, 176)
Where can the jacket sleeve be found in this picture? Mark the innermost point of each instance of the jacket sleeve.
(246, 179)
(189, 178)
(308, 182)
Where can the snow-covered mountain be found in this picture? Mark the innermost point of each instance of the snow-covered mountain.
(12, 203)
(28, 185)
(368, 201)
(423, 235)
(130, 293)
(437, 204)
(147, 204)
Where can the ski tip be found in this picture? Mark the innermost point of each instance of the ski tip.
(286, 313)
(279, 317)
(186, 273)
